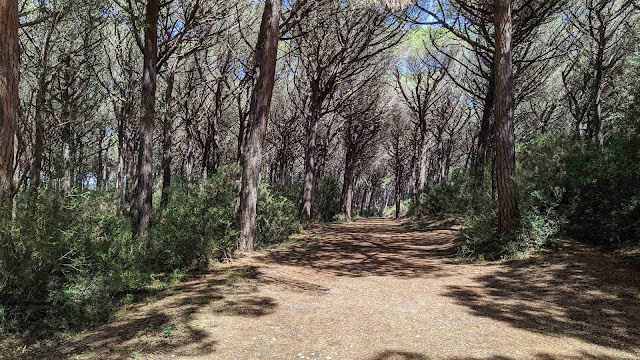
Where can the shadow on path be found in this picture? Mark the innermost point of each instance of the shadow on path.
(376, 247)
(583, 294)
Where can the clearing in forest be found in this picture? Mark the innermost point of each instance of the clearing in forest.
(376, 290)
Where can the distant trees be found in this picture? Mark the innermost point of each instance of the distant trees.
(360, 130)
(601, 31)
(149, 97)
(419, 85)
(336, 44)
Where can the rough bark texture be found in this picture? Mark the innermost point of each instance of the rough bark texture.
(505, 159)
(167, 133)
(266, 55)
(145, 153)
(347, 187)
(310, 159)
(9, 60)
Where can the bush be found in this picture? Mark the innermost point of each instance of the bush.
(541, 187)
(69, 261)
(197, 225)
(327, 200)
(452, 195)
(604, 192)
(66, 257)
(277, 218)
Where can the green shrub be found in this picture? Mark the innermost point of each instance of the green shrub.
(604, 192)
(69, 261)
(197, 225)
(65, 259)
(541, 187)
(277, 218)
(452, 195)
(326, 200)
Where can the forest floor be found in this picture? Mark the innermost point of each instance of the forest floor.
(376, 290)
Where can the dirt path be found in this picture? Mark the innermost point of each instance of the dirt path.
(374, 290)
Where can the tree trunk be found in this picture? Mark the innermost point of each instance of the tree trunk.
(38, 149)
(310, 158)
(167, 133)
(595, 125)
(145, 154)
(484, 136)
(505, 137)
(347, 185)
(67, 117)
(363, 203)
(422, 171)
(190, 158)
(266, 55)
(9, 102)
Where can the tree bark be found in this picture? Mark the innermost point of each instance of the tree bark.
(67, 117)
(505, 137)
(266, 55)
(9, 78)
(310, 158)
(347, 185)
(145, 154)
(167, 133)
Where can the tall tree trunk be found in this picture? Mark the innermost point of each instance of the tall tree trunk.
(100, 171)
(266, 55)
(190, 158)
(67, 170)
(347, 185)
(9, 77)
(595, 125)
(310, 158)
(121, 152)
(484, 136)
(38, 149)
(145, 155)
(505, 137)
(364, 200)
(422, 170)
(167, 133)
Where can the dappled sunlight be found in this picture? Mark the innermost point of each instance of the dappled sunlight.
(371, 248)
(581, 293)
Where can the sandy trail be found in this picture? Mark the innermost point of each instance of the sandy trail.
(374, 290)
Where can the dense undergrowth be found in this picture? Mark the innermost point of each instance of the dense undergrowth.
(68, 261)
(588, 191)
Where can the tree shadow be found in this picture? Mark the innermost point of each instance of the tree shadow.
(370, 248)
(581, 293)
(166, 324)
(406, 355)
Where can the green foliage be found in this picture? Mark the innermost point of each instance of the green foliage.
(66, 257)
(277, 217)
(541, 186)
(604, 192)
(197, 225)
(453, 195)
(326, 199)
(69, 261)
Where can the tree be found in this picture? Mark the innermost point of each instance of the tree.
(148, 103)
(337, 44)
(419, 87)
(601, 29)
(9, 102)
(264, 71)
(362, 122)
(505, 157)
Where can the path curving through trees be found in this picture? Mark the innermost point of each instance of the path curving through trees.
(375, 290)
